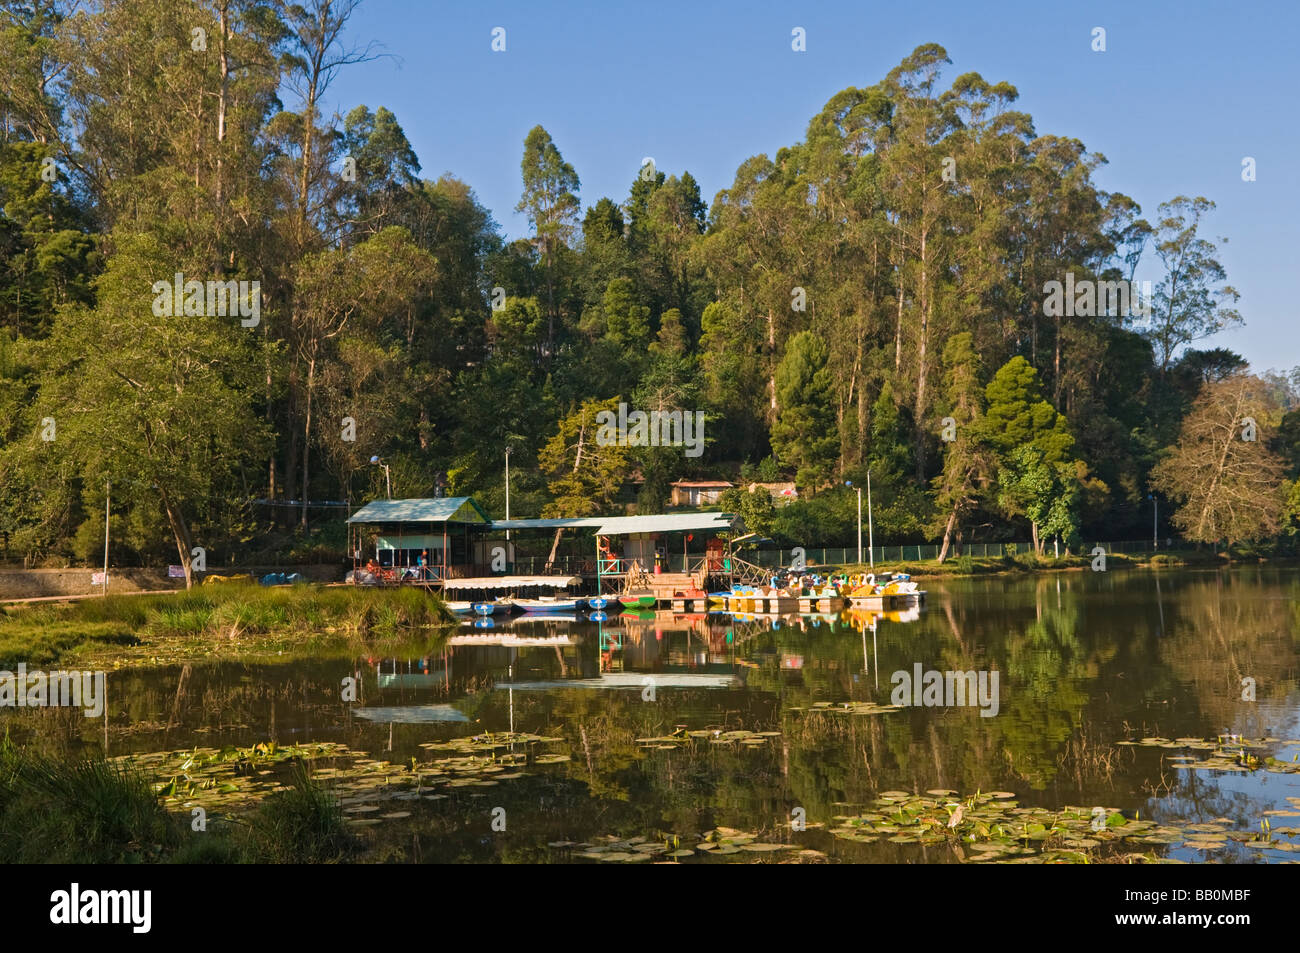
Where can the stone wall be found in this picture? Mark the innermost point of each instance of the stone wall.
(37, 583)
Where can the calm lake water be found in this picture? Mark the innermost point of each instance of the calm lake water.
(1083, 660)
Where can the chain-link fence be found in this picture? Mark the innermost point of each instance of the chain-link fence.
(921, 552)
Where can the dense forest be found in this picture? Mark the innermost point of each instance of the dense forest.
(875, 297)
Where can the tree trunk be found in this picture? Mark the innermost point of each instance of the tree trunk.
(577, 462)
(555, 545)
(1056, 366)
(181, 535)
(898, 327)
(771, 365)
(308, 135)
(947, 535)
(862, 335)
(294, 431)
(921, 351)
(306, 437)
(550, 310)
(270, 465)
(224, 60)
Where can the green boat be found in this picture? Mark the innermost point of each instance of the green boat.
(638, 602)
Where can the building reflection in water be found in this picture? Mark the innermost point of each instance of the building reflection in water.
(628, 651)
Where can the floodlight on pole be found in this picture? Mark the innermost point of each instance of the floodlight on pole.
(859, 490)
(1155, 521)
(388, 475)
(108, 496)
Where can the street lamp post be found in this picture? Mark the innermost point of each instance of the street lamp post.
(859, 490)
(1155, 522)
(108, 495)
(871, 534)
(388, 476)
(507, 492)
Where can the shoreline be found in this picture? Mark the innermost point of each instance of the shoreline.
(278, 624)
(979, 566)
(963, 567)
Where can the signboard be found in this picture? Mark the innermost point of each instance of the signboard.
(97, 579)
(175, 572)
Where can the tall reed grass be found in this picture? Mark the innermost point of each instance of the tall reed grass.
(41, 633)
(92, 811)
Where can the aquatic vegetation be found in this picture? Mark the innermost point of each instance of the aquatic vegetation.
(490, 741)
(1227, 753)
(681, 737)
(231, 781)
(221, 778)
(673, 848)
(849, 708)
(992, 827)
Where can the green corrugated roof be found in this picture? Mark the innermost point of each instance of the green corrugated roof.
(667, 523)
(448, 509)
(555, 523)
(463, 509)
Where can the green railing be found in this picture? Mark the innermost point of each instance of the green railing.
(922, 552)
(820, 556)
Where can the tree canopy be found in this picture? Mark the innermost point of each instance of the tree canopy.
(868, 299)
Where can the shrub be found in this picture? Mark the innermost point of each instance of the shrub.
(82, 811)
(303, 825)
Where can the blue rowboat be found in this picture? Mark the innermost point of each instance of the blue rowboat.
(547, 605)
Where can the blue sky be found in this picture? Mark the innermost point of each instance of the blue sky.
(1182, 93)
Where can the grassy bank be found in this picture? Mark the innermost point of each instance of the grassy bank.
(229, 621)
(1029, 563)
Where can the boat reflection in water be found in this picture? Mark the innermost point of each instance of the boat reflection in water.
(629, 651)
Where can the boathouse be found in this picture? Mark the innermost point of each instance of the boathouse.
(457, 540)
(398, 534)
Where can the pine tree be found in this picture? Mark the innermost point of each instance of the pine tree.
(804, 434)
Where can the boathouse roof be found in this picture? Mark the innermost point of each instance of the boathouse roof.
(667, 523)
(447, 509)
(627, 525)
(463, 509)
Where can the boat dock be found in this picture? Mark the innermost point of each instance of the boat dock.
(889, 602)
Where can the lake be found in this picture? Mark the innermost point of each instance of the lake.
(1108, 715)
